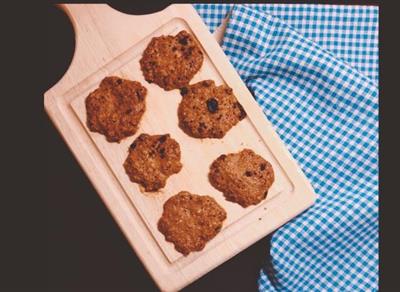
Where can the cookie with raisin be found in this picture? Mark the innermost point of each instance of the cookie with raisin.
(152, 159)
(208, 111)
(171, 61)
(244, 177)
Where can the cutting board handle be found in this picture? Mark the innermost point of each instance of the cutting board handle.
(99, 23)
(102, 33)
(81, 19)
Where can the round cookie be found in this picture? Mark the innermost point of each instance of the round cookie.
(171, 61)
(115, 108)
(152, 159)
(189, 221)
(242, 177)
(208, 111)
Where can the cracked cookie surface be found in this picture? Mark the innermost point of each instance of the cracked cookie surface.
(208, 111)
(115, 108)
(171, 61)
(242, 177)
(152, 159)
(189, 221)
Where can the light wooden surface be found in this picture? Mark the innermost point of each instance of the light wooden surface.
(109, 43)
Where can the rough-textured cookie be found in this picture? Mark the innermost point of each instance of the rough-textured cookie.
(115, 108)
(189, 221)
(243, 177)
(208, 111)
(171, 61)
(152, 159)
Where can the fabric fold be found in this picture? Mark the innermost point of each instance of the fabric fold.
(350, 32)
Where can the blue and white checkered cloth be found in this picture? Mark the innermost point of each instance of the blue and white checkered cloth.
(314, 71)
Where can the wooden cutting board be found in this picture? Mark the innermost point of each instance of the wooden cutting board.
(110, 43)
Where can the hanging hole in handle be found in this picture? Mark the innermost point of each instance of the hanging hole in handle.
(139, 7)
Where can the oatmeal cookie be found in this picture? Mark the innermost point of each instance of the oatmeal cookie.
(242, 177)
(115, 108)
(208, 111)
(189, 221)
(152, 159)
(171, 61)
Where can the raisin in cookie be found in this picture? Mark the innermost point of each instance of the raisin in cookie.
(115, 108)
(189, 221)
(171, 61)
(243, 177)
(208, 111)
(152, 159)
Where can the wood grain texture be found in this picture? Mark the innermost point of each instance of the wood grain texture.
(109, 43)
